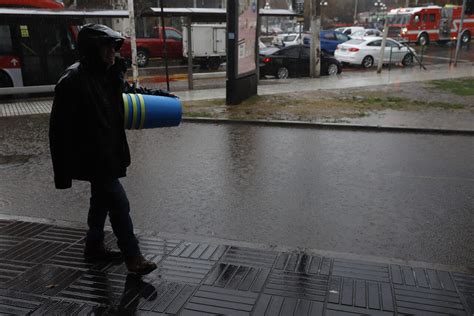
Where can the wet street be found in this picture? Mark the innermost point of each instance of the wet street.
(406, 196)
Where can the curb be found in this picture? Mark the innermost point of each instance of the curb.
(331, 126)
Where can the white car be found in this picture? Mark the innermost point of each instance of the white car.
(349, 29)
(366, 52)
(366, 33)
(287, 39)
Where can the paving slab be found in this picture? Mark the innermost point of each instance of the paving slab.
(43, 273)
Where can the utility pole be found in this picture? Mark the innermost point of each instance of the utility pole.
(356, 7)
(461, 25)
(133, 41)
(315, 48)
(382, 49)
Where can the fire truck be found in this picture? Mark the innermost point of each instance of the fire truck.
(423, 25)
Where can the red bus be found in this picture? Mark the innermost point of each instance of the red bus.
(39, 4)
(34, 49)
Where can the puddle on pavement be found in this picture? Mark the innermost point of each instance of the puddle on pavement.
(8, 161)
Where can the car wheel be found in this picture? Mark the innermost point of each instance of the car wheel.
(5, 80)
(465, 37)
(333, 69)
(142, 58)
(368, 62)
(407, 60)
(423, 39)
(282, 73)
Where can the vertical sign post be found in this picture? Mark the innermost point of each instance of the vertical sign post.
(242, 16)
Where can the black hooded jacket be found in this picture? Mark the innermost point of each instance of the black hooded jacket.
(87, 136)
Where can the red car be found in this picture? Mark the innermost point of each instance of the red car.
(152, 47)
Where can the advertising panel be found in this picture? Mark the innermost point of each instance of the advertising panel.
(247, 37)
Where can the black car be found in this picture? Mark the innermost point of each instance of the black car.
(293, 61)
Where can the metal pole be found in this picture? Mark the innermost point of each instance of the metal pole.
(133, 41)
(190, 55)
(356, 6)
(382, 49)
(315, 51)
(165, 48)
(458, 44)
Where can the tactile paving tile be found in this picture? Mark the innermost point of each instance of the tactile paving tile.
(238, 277)
(62, 234)
(18, 303)
(426, 278)
(44, 280)
(184, 270)
(465, 285)
(218, 301)
(302, 262)
(7, 242)
(269, 305)
(361, 270)
(73, 257)
(297, 285)
(250, 257)
(361, 294)
(25, 108)
(119, 267)
(164, 297)
(95, 287)
(12, 269)
(53, 307)
(157, 246)
(32, 250)
(24, 229)
(199, 251)
(415, 300)
(3, 223)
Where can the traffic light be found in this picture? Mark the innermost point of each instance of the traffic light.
(469, 7)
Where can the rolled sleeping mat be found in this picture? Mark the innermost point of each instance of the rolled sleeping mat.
(150, 111)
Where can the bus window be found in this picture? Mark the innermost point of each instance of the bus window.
(5, 40)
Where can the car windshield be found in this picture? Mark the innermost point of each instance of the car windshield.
(399, 19)
(359, 33)
(354, 41)
(289, 38)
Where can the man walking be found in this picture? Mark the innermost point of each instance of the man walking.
(88, 142)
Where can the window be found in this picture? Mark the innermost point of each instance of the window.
(329, 36)
(391, 44)
(341, 37)
(172, 34)
(289, 38)
(5, 40)
(375, 43)
(425, 18)
(292, 52)
(432, 17)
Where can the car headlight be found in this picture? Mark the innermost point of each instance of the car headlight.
(404, 30)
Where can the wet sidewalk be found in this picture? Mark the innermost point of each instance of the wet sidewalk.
(43, 273)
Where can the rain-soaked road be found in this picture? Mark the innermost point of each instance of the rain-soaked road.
(408, 196)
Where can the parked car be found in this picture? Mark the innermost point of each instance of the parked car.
(329, 40)
(348, 30)
(366, 33)
(208, 45)
(153, 46)
(293, 61)
(366, 52)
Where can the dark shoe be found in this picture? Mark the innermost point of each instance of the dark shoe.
(139, 265)
(99, 252)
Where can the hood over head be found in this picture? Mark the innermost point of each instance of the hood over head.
(91, 36)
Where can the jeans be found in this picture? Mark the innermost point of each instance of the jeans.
(109, 197)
